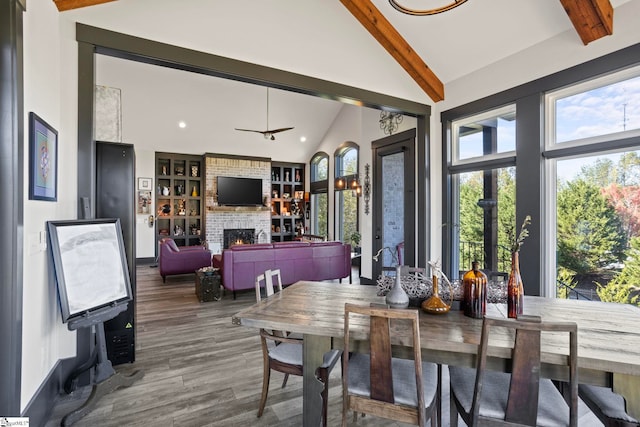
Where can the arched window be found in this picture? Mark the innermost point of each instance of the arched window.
(346, 194)
(319, 185)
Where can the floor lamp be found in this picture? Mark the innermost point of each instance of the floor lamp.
(164, 210)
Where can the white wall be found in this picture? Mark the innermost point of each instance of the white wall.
(145, 238)
(346, 127)
(50, 91)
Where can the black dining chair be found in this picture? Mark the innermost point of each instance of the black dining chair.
(520, 397)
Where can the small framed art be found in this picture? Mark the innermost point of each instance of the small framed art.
(144, 183)
(43, 160)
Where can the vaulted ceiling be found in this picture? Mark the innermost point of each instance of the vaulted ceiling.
(362, 43)
(592, 20)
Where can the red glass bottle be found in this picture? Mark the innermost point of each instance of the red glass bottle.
(474, 288)
(515, 289)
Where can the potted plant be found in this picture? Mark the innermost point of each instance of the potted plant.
(355, 238)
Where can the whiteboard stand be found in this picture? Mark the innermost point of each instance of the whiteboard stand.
(105, 378)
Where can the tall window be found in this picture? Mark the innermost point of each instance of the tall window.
(483, 216)
(346, 199)
(578, 175)
(594, 151)
(319, 187)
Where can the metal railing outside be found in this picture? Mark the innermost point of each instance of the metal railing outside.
(573, 291)
(474, 251)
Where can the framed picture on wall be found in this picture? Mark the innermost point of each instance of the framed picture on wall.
(144, 183)
(144, 202)
(43, 160)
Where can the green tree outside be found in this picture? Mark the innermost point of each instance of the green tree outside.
(589, 230)
(471, 224)
(598, 218)
(347, 200)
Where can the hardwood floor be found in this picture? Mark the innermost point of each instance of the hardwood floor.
(200, 370)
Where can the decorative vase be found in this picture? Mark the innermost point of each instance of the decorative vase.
(515, 288)
(397, 297)
(194, 192)
(474, 292)
(434, 304)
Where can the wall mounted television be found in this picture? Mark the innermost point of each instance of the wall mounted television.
(239, 191)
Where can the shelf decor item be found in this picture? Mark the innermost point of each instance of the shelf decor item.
(397, 297)
(474, 292)
(43, 160)
(515, 287)
(434, 304)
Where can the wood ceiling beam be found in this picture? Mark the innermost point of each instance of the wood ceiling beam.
(371, 18)
(63, 5)
(592, 19)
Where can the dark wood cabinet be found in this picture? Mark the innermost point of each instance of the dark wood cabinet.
(180, 185)
(288, 204)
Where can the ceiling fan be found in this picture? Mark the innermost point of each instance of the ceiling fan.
(269, 133)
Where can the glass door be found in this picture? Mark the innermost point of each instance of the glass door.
(394, 227)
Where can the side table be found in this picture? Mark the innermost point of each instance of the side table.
(208, 286)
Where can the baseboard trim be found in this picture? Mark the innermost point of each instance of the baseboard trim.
(41, 405)
(145, 261)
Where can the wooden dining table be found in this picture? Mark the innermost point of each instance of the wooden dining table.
(608, 336)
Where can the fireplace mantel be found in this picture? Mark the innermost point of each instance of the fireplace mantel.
(238, 208)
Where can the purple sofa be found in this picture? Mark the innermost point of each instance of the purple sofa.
(240, 264)
(181, 260)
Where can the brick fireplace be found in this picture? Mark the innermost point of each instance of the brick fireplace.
(219, 219)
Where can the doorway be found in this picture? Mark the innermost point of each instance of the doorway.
(394, 208)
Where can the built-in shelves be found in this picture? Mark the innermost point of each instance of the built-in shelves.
(179, 199)
(287, 201)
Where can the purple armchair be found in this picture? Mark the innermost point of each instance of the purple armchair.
(186, 259)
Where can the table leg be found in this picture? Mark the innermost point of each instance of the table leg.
(314, 348)
(629, 387)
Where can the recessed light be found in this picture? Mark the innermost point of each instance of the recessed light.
(303, 138)
(182, 124)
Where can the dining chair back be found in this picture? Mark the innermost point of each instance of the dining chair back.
(269, 275)
(521, 397)
(260, 284)
(282, 352)
(609, 407)
(376, 383)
